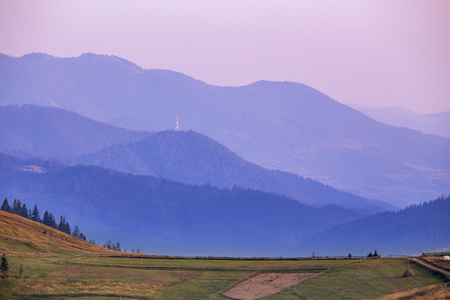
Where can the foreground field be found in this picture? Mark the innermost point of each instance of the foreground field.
(60, 277)
(47, 264)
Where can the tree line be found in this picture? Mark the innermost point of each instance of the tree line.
(48, 219)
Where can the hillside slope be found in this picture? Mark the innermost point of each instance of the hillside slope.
(281, 125)
(166, 217)
(193, 158)
(54, 133)
(19, 234)
(411, 231)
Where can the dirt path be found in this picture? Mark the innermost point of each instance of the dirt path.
(267, 284)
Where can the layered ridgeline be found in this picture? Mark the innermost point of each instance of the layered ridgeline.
(165, 217)
(187, 157)
(413, 230)
(437, 123)
(192, 158)
(54, 133)
(282, 125)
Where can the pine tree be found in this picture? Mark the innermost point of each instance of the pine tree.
(76, 232)
(63, 225)
(24, 211)
(16, 207)
(49, 220)
(5, 206)
(53, 221)
(35, 216)
(4, 265)
(118, 248)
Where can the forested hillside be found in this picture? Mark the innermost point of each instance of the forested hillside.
(192, 158)
(411, 231)
(165, 217)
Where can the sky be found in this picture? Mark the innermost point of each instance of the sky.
(393, 53)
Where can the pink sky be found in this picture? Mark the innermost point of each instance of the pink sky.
(377, 53)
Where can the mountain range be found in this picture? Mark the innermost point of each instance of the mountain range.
(33, 131)
(410, 231)
(278, 125)
(437, 123)
(186, 157)
(163, 216)
(166, 217)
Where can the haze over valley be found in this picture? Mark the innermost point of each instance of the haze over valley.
(260, 170)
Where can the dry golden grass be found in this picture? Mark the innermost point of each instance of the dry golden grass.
(18, 234)
(436, 292)
(101, 281)
(71, 288)
(153, 277)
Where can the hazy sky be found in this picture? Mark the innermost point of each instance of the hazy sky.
(378, 53)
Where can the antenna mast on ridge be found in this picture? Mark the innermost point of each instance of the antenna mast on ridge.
(178, 127)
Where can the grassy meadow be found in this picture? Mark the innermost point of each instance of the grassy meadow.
(47, 264)
(60, 277)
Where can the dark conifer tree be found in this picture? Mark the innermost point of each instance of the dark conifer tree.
(76, 232)
(24, 211)
(53, 221)
(4, 265)
(35, 216)
(67, 228)
(63, 225)
(46, 219)
(49, 220)
(16, 207)
(5, 206)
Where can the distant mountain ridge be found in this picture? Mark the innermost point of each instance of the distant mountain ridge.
(410, 231)
(437, 123)
(193, 158)
(186, 157)
(54, 133)
(165, 217)
(279, 125)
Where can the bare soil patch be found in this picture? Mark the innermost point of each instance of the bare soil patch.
(267, 284)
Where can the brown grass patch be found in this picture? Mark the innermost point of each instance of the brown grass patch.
(149, 276)
(436, 292)
(86, 287)
(102, 281)
(267, 284)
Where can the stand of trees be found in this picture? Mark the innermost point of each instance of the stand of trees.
(112, 246)
(21, 209)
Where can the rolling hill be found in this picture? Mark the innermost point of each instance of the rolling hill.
(166, 217)
(19, 234)
(192, 158)
(411, 231)
(279, 125)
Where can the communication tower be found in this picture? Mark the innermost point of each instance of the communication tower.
(178, 125)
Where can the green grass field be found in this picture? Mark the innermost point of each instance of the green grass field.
(57, 266)
(61, 277)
